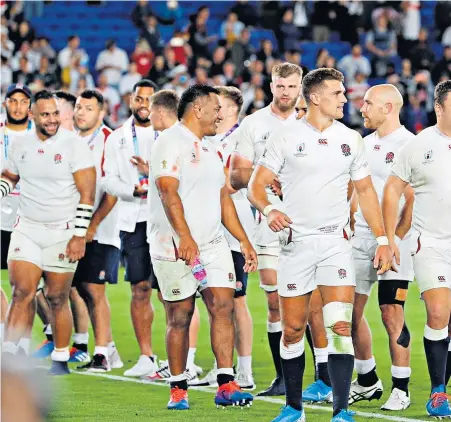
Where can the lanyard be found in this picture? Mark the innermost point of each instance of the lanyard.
(94, 135)
(6, 138)
(135, 138)
(229, 131)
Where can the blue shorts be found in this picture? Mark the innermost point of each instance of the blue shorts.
(136, 256)
(241, 276)
(99, 265)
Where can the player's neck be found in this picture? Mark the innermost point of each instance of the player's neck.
(88, 132)
(388, 127)
(16, 127)
(42, 136)
(170, 121)
(193, 127)
(142, 124)
(227, 124)
(444, 128)
(318, 121)
(280, 113)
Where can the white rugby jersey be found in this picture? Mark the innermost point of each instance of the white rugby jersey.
(225, 146)
(314, 170)
(425, 163)
(196, 164)
(108, 231)
(10, 204)
(380, 154)
(47, 188)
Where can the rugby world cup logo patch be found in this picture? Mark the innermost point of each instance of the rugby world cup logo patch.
(389, 157)
(346, 150)
(300, 150)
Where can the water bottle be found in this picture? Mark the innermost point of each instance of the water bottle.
(199, 272)
(144, 182)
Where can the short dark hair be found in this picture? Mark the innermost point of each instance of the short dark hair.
(145, 83)
(167, 99)
(441, 92)
(191, 94)
(231, 93)
(42, 95)
(71, 37)
(91, 93)
(64, 95)
(316, 78)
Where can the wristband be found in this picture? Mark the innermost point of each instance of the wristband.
(6, 187)
(268, 209)
(82, 219)
(382, 240)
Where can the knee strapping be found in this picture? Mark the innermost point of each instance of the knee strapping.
(292, 351)
(337, 320)
(404, 337)
(269, 288)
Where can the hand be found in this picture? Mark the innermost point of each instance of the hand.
(92, 230)
(276, 187)
(139, 191)
(75, 249)
(277, 221)
(188, 249)
(395, 249)
(383, 260)
(141, 165)
(250, 256)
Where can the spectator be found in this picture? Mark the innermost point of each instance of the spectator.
(24, 51)
(143, 57)
(24, 33)
(446, 39)
(72, 49)
(321, 58)
(322, 20)
(231, 28)
(159, 71)
(198, 36)
(356, 91)
(219, 56)
(46, 49)
(241, 51)
(79, 70)
(151, 33)
(24, 74)
(14, 14)
(229, 74)
(406, 77)
(170, 58)
(295, 57)
(7, 46)
(201, 76)
(112, 62)
(108, 92)
(6, 78)
(443, 67)
(416, 116)
(258, 102)
(129, 80)
(266, 51)
(43, 72)
(249, 90)
(411, 24)
(381, 42)
(422, 56)
(246, 12)
(302, 17)
(180, 81)
(140, 12)
(271, 13)
(123, 112)
(331, 62)
(172, 13)
(442, 14)
(288, 35)
(353, 63)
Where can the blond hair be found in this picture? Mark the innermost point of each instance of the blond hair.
(283, 70)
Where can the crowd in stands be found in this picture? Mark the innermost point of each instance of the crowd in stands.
(387, 43)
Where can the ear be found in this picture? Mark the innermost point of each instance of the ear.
(272, 88)
(30, 114)
(197, 110)
(314, 98)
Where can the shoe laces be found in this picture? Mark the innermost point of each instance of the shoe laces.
(438, 399)
(229, 387)
(177, 394)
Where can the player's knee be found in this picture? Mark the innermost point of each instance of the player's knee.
(338, 321)
(179, 317)
(23, 295)
(221, 307)
(391, 318)
(292, 333)
(273, 302)
(57, 300)
(141, 291)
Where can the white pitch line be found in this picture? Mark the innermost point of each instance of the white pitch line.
(266, 399)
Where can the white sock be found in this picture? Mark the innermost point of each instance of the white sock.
(60, 355)
(9, 347)
(2, 330)
(245, 365)
(274, 327)
(101, 350)
(48, 329)
(191, 356)
(81, 338)
(176, 378)
(225, 371)
(111, 347)
(321, 355)
(401, 371)
(364, 366)
(24, 343)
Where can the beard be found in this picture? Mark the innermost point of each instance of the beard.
(14, 121)
(138, 118)
(42, 130)
(285, 107)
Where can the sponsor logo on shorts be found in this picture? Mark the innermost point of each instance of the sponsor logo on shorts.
(102, 275)
(176, 292)
(441, 278)
(377, 148)
(58, 158)
(61, 257)
(342, 273)
(346, 150)
(389, 157)
(239, 286)
(40, 151)
(291, 287)
(323, 142)
(231, 277)
(300, 150)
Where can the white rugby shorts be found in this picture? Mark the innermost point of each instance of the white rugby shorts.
(42, 244)
(176, 281)
(266, 243)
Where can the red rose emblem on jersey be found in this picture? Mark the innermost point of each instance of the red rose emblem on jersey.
(389, 157)
(346, 150)
(58, 158)
(342, 273)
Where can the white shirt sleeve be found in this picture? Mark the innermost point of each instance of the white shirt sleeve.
(111, 181)
(273, 157)
(100, 62)
(166, 159)
(124, 61)
(244, 144)
(359, 167)
(402, 166)
(81, 157)
(10, 163)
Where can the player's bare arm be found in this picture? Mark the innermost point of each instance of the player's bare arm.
(369, 204)
(173, 207)
(405, 219)
(85, 181)
(230, 189)
(394, 188)
(7, 182)
(240, 171)
(354, 206)
(107, 203)
(258, 197)
(232, 223)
